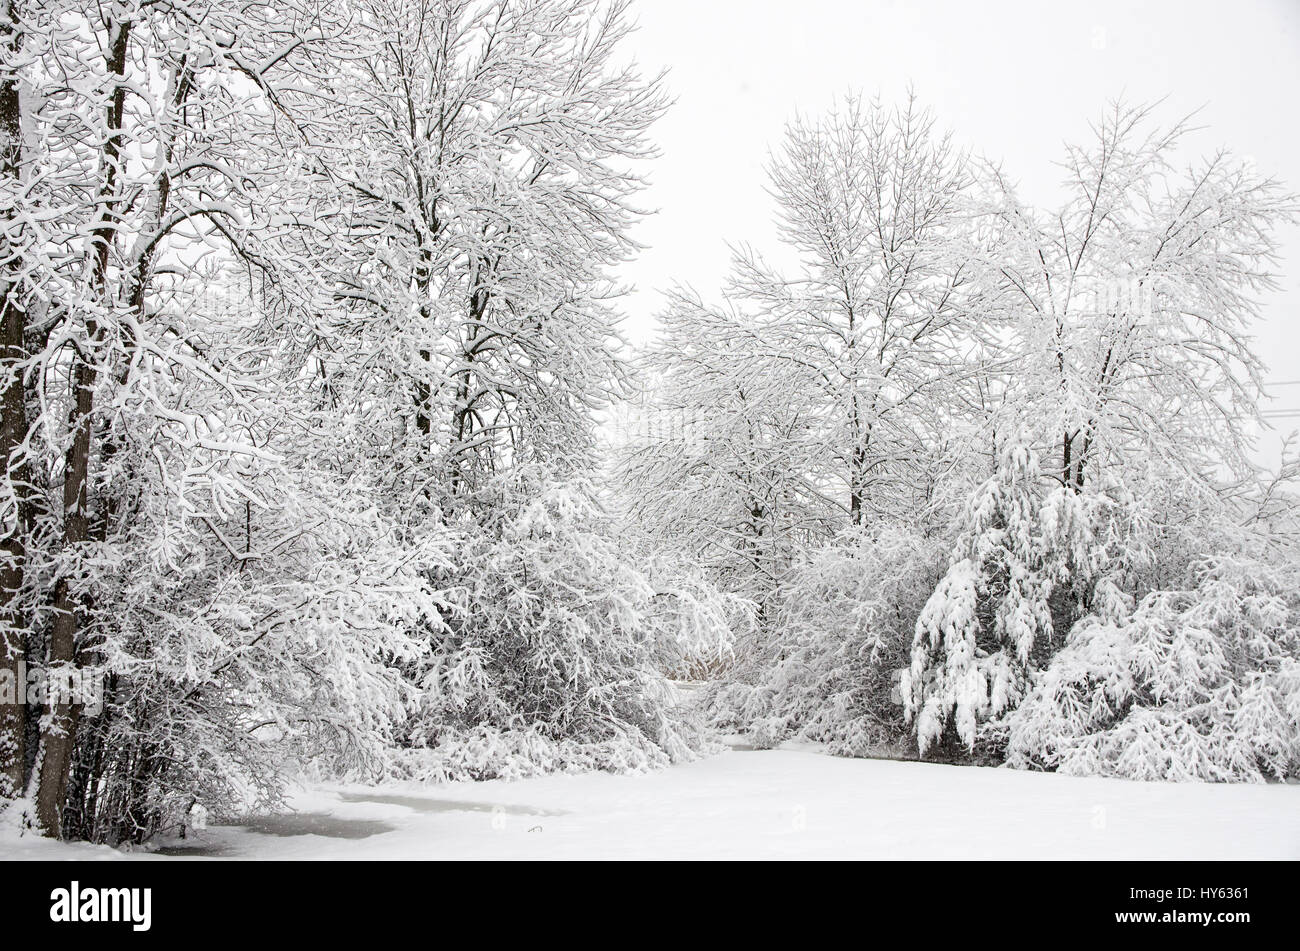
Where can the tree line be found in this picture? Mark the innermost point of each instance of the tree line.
(985, 469)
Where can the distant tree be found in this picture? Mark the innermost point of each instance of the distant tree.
(1131, 304)
(823, 397)
(724, 462)
(872, 205)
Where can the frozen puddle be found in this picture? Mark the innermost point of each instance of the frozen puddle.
(315, 823)
(428, 806)
(196, 849)
(289, 825)
(332, 819)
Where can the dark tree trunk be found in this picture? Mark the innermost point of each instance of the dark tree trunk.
(1067, 464)
(857, 465)
(13, 434)
(857, 488)
(58, 733)
(462, 481)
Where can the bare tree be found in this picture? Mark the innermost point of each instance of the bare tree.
(1133, 302)
(871, 203)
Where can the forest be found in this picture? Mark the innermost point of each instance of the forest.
(326, 453)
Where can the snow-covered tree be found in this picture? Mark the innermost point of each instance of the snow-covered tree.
(474, 325)
(976, 632)
(138, 165)
(1028, 561)
(724, 461)
(327, 302)
(1201, 683)
(842, 632)
(486, 208)
(818, 395)
(1123, 322)
(21, 234)
(872, 205)
(1130, 306)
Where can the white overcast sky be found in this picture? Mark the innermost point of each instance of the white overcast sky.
(1013, 79)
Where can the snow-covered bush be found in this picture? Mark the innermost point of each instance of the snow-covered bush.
(1025, 560)
(550, 658)
(1201, 683)
(842, 633)
(692, 626)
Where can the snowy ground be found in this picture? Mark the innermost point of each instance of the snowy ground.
(786, 803)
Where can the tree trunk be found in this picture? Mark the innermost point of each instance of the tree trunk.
(13, 433)
(857, 488)
(857, 463)
(59, 731)
(1067, 463)
(463, 411)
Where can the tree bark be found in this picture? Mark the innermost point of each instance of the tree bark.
(59, 731)
(13, 428)
(1067, 463)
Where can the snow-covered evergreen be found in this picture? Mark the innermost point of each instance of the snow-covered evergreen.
(1201, 683)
